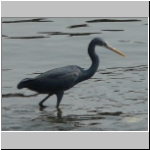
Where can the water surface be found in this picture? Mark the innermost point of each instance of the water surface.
(114, 99)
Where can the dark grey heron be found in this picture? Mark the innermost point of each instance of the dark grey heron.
(58, 80)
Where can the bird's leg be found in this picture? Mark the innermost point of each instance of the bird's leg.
(59, 97)
(41, 103)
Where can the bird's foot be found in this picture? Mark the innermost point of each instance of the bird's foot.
(58, 109)
(59, 113)
(42, 106)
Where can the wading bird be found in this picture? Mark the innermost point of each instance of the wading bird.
(58, 80)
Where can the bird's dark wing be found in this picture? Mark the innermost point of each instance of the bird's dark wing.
(66, 81)
(57, 79)
(54, 73)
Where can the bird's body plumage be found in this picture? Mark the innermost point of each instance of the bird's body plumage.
(58, 80)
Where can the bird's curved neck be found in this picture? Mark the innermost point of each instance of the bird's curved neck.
(95, 61)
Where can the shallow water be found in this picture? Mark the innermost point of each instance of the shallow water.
(114, 99)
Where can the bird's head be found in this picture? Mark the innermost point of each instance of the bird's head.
(101, 42)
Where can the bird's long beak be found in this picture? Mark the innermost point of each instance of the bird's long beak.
(115, 50)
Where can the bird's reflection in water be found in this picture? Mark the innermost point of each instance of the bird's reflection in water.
(59, 112)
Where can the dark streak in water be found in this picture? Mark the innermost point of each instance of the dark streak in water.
(89, 117)
(137, 68)
(134, 99)
(77, 26)
(120, 78)
(6, 69)
(116, 90)
(112, 30)
(17, 95)
(111, 113)
(131, 91)
(31, 20)
(137, 81)
(70, 34)
(80, 34)
(98, 80)
(139, 42)
(125, 41)
(28, 37)
(108, 73)
(34, 73)
(112, 20)
(4, 36)
(92, 111)
(53, 33)
(7, 87)
(91, 124)
(133, 68)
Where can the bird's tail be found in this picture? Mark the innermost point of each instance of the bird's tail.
(24, 83)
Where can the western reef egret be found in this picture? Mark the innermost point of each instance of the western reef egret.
(58, 80)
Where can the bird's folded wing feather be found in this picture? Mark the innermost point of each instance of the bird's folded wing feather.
(55, 80)
(54, 73)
